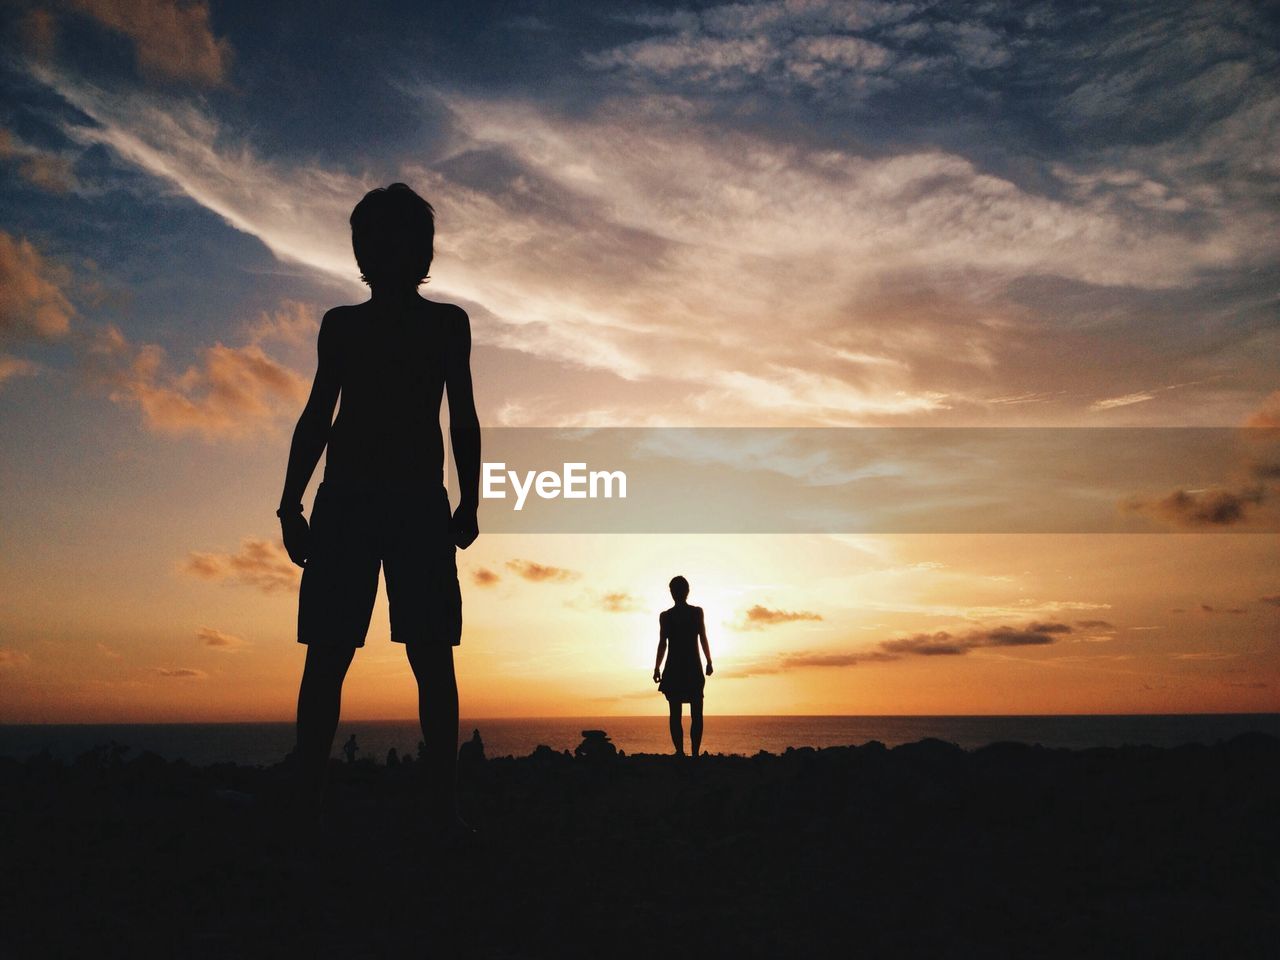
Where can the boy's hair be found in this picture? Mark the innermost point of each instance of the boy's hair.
(679, 586)
(393, 235)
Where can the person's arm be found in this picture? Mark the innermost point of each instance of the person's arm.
(702, 637)
(464, 430)
(662, 649)
(309, 439)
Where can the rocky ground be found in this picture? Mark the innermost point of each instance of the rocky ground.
(924, 850)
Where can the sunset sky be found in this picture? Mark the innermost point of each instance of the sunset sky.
(808, 214)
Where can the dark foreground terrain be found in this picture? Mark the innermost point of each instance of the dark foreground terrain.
(923, 850)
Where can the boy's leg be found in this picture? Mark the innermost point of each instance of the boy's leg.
(695, 726)
(319, 703)
(432, 665)
(677, 728)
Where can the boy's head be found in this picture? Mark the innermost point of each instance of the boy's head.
(679, 589)
(393, 235)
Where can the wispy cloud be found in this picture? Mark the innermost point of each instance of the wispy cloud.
(939, 644)
(13, 658)
(231, 392)
(759, 617)
(32, 302)
(290, 323)
(259, 563)
(613, 601)
(11, 366)
(541, 572)
(1128, 400)
(1220, 507)
(181, 673)
(41, 168)
(223, 642)
(484, 577)
(171, 40)
(944, 643)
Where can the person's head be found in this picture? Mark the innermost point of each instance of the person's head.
(679, 589)
(393, 235)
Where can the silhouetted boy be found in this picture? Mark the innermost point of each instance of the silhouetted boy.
(382, 502)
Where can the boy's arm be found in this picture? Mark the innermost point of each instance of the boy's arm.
(309, 439)
(464, 429)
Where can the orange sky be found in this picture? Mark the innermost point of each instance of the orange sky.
(758, 215)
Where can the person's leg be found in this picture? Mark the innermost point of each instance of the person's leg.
(319, 704)
(695, 726)
(677, 728)
(432, 665)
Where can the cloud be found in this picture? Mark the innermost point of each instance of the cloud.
(541, 573)
(758, 617)
(826, 48)
(1204, 656)
(32, 304)
(806, 660)
(11, 366)
(109, 652)
(290, 323)
(616, 601)
(1268, 415)
(171, 40)
(682, 278)
(48, 171)
(1219, 507)
(39, 33)
(13, 658)
(690, 229)
(181, 673)
(225, 642)
(619, 602)
(943, 643)
(1125, 401)
(1208, 608)
(259, 563)
(230, 392)
(1272, 600)
(484, 577)
(1095, 625)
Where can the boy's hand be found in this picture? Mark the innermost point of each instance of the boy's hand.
(657, 675)
(297, 537)
(710, 669)
(465, 528)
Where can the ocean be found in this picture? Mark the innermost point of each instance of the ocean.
(267, 743)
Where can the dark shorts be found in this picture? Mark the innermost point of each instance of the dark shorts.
(353, 534)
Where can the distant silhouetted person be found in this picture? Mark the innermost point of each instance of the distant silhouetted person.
(393, 757)
(383, 502)
(680, 630)
(351, 748)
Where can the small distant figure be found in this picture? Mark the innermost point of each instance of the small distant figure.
(680, 630)
(351, 748)
(471, 753)
(595, 746)
(393, 758)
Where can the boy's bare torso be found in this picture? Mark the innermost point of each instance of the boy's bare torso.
(391, 363)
